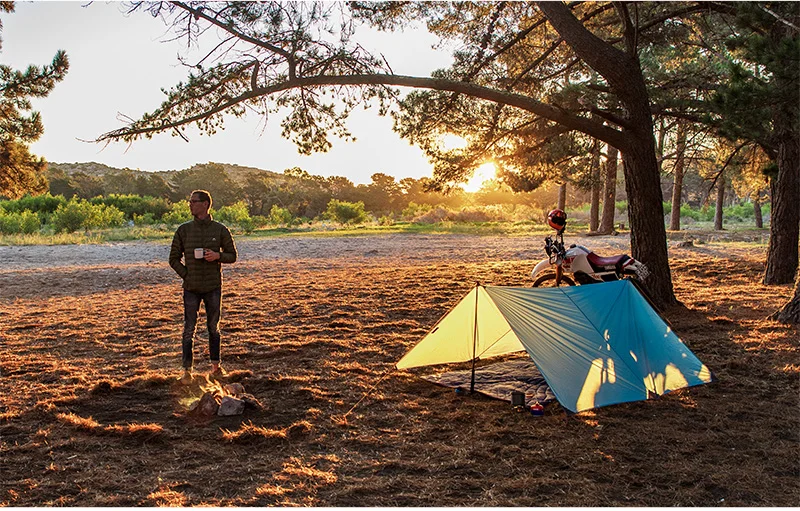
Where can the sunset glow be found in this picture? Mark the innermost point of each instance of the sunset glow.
(484, 173)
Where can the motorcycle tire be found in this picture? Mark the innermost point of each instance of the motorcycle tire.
(549, 280)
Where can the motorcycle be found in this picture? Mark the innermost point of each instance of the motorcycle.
(585, 266)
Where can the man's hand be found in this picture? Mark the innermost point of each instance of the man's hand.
(210, 256)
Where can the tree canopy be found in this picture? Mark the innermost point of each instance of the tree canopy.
(20, 171)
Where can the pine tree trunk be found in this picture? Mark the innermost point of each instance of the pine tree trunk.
(720, 202)
(790, 313)
(646, 216)
(594, 221)
(562, 196)
(677, 184)
(622, 70)
(757, 214)
(784, 229)
(609, 192)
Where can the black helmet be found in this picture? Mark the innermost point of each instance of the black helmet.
(557, 219)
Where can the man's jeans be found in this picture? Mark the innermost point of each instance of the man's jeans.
(191, 304)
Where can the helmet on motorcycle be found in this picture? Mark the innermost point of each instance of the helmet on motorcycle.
(557, 219)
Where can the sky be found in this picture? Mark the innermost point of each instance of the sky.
(118, 65)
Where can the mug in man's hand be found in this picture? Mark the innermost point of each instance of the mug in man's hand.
(199, 253)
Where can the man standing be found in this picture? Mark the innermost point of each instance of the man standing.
(203, 244)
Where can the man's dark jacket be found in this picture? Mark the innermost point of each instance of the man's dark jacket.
(199, 275)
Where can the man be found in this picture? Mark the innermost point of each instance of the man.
(203, 244)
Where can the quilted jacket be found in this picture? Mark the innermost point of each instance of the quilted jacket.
(199, 275)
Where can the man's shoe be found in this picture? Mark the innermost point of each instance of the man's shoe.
(218, 373)
(186, 379)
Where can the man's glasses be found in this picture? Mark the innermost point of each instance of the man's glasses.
(195, 200)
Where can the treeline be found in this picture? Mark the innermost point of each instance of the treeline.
(48, 214)
(102, 197)
(92, 196)
(303, 195)
(56, 214)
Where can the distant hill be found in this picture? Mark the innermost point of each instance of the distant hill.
(90, 168)
(238, 173)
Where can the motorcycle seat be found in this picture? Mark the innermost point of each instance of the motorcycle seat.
(598, 261)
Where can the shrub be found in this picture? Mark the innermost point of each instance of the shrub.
(81, 214)
(236, 214)
(247, 225)
(25, 222)
(413, 210)
(179, 213)
(688, 212)
(740, 211)
(470, 215)
(515, 213)
(135, 205)
(707, 213)
(145, 219)
(279, 215)
(433, 216)
(106, 216)
(71, 216)
(44, 203)
(346, 212)
(260, 221)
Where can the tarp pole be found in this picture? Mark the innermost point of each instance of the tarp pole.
(474, 341)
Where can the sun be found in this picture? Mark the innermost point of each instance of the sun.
(484, 173)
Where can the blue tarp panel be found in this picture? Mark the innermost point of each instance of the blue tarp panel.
(600, 344)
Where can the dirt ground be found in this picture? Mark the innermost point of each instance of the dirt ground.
(91, 414)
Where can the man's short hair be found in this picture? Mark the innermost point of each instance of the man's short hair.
(203, 195)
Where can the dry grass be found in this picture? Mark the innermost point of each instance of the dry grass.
(91, 414)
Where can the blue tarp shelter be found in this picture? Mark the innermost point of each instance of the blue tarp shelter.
(595, 345)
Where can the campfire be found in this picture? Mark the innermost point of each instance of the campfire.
(212, 398)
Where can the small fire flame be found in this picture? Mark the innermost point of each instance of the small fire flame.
(206, 385)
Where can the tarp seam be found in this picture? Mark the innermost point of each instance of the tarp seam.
(556, 392)
(633, 370)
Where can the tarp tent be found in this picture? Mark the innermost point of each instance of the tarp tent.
(595, 345)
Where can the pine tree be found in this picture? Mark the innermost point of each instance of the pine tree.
(760, 103)
(20, 171)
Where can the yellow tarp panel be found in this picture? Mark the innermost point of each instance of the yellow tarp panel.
(451, 340)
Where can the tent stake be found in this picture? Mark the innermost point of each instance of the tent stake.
(474, 341)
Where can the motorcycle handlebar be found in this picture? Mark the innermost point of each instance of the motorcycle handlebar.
(554, 249)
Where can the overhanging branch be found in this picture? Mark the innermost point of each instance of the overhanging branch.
(571, 121)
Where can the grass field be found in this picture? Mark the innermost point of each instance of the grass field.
(319, 229)
(91, 414)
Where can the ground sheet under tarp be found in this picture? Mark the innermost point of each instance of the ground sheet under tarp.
(499, 380)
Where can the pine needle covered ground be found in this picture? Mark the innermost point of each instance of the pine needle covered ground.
(91, 414)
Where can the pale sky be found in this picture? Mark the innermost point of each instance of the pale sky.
(119, 63)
